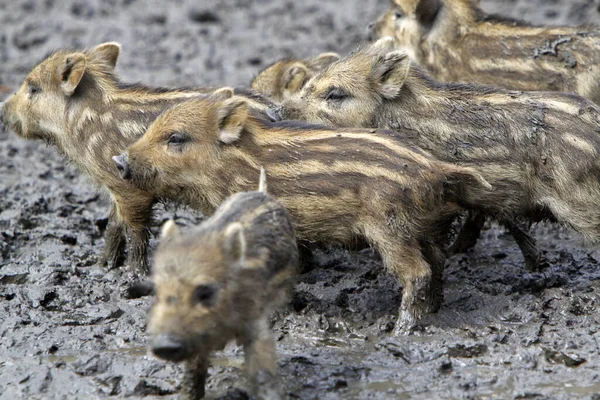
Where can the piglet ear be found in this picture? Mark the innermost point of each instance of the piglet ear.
(391, 71)
(234, 245)
(222, 94)
(323, 60)
(71, 72)
(169, 230)
(427, 11)
(107, 54)
(383, 45)
(231, 119)
(294, 78)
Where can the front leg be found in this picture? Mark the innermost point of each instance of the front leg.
(114, 239)
(526, 243)
(194, 379)
(135, 210)
(261, 363)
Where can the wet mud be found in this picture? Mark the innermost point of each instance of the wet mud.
(68, 332)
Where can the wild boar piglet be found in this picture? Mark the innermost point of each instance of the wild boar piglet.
(539, 150)
(73, 100)
(458, 42)
(340, 186)
(221, 281)
(285, 78)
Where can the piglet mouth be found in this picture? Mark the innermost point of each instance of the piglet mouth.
(170, 348)
(13, 124)
(17, 128)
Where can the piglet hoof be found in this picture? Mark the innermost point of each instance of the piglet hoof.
(138, 288)
(407, 321)
(111, 261)
(533, 263)
(194, 391)
(434, 302)
(235, 394)
(266, 387)
(138, 266)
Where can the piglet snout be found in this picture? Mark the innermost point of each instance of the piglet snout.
(123, 166)
(168, 348)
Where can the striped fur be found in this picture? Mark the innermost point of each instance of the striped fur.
(539, 150)
(94, 121)
(343, 186)
(457, 42)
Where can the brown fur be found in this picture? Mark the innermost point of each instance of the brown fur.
(221, 281)
(74, 101)
(341, 186)
(538, 150)
(285, 78)
(457, 42)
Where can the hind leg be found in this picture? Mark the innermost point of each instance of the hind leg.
(468, 234)
(415, 274)
(436, 258)
(403, 258)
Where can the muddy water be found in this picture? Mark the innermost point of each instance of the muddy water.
(66, 331)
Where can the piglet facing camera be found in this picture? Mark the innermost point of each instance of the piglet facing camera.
(220, 281)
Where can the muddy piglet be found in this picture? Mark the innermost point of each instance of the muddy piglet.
(220, 281)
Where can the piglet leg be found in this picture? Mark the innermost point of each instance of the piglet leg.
(261, 363)
(194, 380)
(114, 239)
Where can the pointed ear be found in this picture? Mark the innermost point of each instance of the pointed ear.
(107, 53)
(294, 78)
(231, 118)
(234, 244)
(324, 60)
(222, 94)
(169, 230)
(391, 72)
(383, 45)
(427, 10)
(71, 71)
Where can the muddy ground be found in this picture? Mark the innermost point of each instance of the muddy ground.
(67, 333)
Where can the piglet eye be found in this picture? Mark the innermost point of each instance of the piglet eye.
(34, 89)
(398, 14)
(178, 138)
(204, 294)
(336, 94)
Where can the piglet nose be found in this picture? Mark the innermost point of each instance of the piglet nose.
(122, 166)
(370, 29)
(274, 114)
(168, 348)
